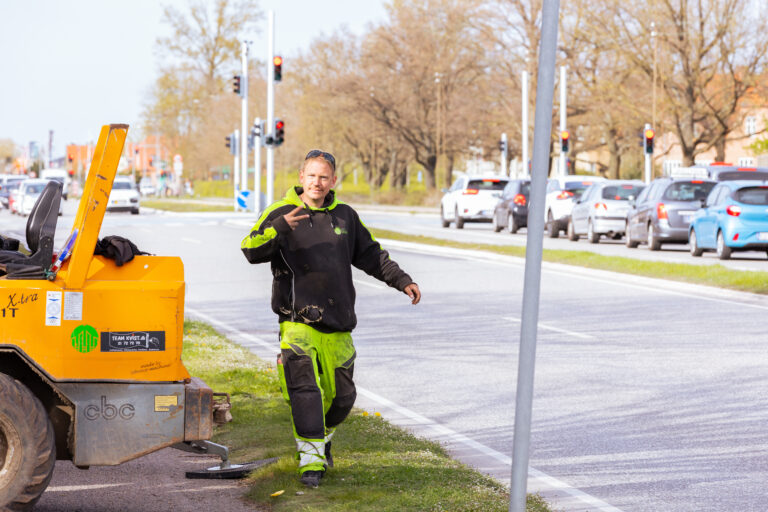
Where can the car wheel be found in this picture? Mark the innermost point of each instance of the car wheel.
(631, 244)
(496, 227)
(27, 447)
(135, 211)
(459, 220)
(444, 222)
(723, 251)
(591, 235)
(572, 236)
(552, 230)
(512, 224)
(653, 243)
(695, 249)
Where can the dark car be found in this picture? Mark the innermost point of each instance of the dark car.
(512, 210)
(664, 210)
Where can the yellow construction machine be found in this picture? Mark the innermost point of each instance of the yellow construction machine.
(90, 353)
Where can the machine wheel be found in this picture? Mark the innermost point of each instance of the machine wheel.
(552, 231)
(512, 225)
(591, 235)
(27, 447)
(459, 220)
(723, 251)
(444, 222)
(653, 243)
(496, 227)
(695, 249)
(572, 236)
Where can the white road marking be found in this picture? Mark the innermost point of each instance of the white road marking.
(192, 240)
(372, 285)
(70, 488)
(555, 329)
(441, 430)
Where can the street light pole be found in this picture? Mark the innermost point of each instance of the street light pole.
(271, 107)
(526, 169)
(244, 117)
(653, 101)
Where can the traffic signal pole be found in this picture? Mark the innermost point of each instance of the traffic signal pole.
(257, 166)
(504, 154)
(542, 138)
(526, 168)
(244, 117)
(236, 165)
(271, 107)
(563, 100)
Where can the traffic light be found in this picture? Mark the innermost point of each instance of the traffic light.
(70, 157)
(564, 138)
(279, 132)
(278, 63)
(648, 140)
(236, 84)
(229, 142)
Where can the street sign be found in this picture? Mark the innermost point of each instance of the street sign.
(245, 199)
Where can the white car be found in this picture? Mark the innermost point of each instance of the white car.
(26, 196)
(471, 199)
(602, 210)
(146, 187)
(558, 203)
(124, 196)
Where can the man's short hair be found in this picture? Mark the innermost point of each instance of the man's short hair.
(317, 154)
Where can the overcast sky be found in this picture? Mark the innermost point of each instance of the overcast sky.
(72, 66)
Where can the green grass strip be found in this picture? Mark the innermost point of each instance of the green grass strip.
(180, 205)
(378, 467)
(710, 275)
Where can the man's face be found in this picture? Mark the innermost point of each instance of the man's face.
(318, 179)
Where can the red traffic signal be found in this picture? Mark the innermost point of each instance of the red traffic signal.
(279, 132)
(564, 138)
(648, 136)
(277, 62)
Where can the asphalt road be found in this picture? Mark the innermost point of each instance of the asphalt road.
(649, 395)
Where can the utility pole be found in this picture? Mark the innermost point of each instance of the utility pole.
(244, 117)
(258, 137)
(236, 165)
(526, 169)
(271, 107)
(542, 138)
(562, 116)
(503, 150)
(653, 101)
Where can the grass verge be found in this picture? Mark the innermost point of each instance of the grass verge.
(710, 275)
(378, 467)
(180, 205)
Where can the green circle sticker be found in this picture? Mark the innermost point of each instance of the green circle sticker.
(84, 338)
(337, 230)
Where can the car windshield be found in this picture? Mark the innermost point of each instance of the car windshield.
(35, 188)
(576, 188)
(621, 192)
(752, 195)
(487, 184)
(121, 185)
(688, 190)
(14, 185)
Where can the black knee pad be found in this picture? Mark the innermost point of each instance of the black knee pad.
(306, 399)
(345, 397)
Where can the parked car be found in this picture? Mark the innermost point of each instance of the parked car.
(25, 197)
(733, 218)
(146, 188)
(602, 210)
(8, 183)
(60, 175)
(471, 199)
(124, 196)
(561, 193)
(512, 211)
(664, 210)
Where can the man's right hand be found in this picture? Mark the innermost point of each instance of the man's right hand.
(293, 217)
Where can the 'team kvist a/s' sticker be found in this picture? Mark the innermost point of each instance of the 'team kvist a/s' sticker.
(133, 341)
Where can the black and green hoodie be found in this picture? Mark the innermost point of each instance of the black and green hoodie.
(311, 264)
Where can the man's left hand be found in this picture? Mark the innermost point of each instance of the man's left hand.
(412, 290)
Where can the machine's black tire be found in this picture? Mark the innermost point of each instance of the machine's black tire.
(26, 427)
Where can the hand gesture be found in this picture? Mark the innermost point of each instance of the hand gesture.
(412, 291)
(293, 217)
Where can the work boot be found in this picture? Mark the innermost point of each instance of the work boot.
(328, 456)
(311, 478)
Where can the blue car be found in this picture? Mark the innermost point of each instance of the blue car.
(733, 218)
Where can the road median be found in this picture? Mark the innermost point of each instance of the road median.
(378, 467)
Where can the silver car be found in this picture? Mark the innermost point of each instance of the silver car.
(602, 210)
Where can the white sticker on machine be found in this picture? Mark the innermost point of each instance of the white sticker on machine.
(73, 305)
(53, 308)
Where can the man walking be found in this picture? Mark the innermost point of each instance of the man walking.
(311, 240)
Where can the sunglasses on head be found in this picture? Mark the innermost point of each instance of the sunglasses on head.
(316, 153)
